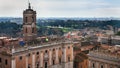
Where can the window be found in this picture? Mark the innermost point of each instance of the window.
(46, 51)
(29, 54)
(29, 66)
(53, 62)
(53, 49)
(26, 30)
(45, 64)
(33, 30)
(68, 47)
(68, 59)
(37, 65)
(32, 19)
(0, 60)
(59, 60)
(93, 65)
(20, 58)
(6, 62)
(101, 66)
(37, 53)
(59, 48)
(26, 19)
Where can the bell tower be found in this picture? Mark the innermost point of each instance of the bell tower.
(29, 24)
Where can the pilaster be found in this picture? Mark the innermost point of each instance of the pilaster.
(41, 58)
(56, 55)
(13, 63)
(27, 61)
(50, 57)
(33, 60)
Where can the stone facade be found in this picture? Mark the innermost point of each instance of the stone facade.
(102, 59)
(56, 55)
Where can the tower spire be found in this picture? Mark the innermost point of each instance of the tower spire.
(29, 5)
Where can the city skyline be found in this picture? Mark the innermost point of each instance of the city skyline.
(62, 8)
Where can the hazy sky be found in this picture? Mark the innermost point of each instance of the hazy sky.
(62, 8)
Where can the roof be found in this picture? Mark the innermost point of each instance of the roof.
(76, 48)
(80, 57)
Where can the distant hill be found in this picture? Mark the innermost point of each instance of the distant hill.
(11, 19)
(13, 26)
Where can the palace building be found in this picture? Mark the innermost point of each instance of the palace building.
(48, 54)
(103, 59)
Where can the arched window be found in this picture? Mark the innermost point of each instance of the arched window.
(32, 30)
(37, 53)
(26, 30)
(32, 19)
(26, 19)
(20, 57)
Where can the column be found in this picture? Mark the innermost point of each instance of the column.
(26, 61)
(89, 63)
(97, 63)
(50, 57)
(56, 55)
(106, 65)
(33, 60)
(41, 58)
(13, 63)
